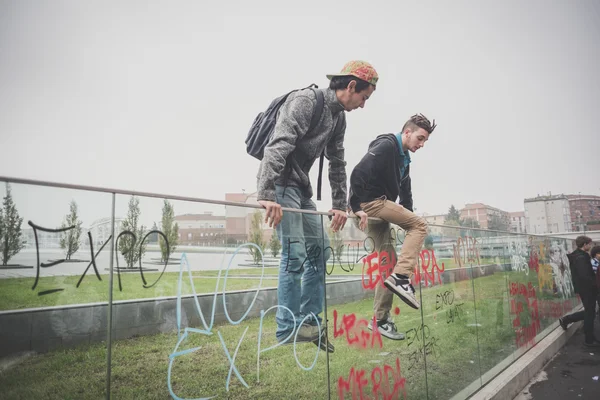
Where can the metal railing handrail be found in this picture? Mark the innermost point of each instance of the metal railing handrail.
(60, 185)
(144, 194)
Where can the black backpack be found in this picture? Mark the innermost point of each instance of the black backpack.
(263, 127)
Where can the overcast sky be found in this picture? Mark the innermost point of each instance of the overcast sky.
(159, 97)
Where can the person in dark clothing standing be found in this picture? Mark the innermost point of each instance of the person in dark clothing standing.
(377, 181)
(595, 253)
(584, 282)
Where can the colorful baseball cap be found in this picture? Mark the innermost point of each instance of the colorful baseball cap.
(360, 69)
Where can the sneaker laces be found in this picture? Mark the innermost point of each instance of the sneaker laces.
(412, 288)
(393, 325)
(389, 322)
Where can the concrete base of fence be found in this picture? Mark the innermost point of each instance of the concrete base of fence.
(44, 329)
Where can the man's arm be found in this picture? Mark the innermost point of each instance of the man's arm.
(292, 124)
(337, 167)
(406, 199)
(584, 272)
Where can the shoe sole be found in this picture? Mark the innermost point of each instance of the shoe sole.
(324, 345)
(408, 301)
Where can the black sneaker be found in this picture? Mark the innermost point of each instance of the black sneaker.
(325, 344)
(388, 329)
(593, 345)
(401, 286)
(563, 324)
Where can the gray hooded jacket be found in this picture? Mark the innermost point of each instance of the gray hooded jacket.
(290, 137)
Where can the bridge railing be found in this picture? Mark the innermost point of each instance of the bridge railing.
(93, 304)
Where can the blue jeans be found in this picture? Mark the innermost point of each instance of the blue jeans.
(303, 258)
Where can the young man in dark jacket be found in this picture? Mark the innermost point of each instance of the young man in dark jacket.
(294, 147)
(584, 282)
(377, 181)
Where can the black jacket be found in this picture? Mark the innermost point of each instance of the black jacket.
(378, 174)
(582, 273)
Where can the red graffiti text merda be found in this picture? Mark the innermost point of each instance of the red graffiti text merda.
(356, 331)
(524, 295)
(379, 380)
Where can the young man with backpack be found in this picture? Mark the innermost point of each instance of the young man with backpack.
(300, 127)
(377, 181)
(584, 282)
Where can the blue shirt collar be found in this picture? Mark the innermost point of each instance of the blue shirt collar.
(403, 153)
(404, 156)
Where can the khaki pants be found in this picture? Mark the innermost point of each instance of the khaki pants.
(379, 231)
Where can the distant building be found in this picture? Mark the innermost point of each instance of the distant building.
(562, 213)
(584, 211)
(547, 214)
(45, 240)
(518, 223)
(201, 229)
(483, 214)
(436, 219)
(237, 218)
(101, 231)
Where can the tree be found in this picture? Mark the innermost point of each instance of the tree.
(71, 240)
(274, 244)
(171, 230)
(498, 223)
(470, 223)
(453, 214)
(428, 243)
(449, 231)
(153, 237)
(130, 249)
(256, 237)
(11, 241)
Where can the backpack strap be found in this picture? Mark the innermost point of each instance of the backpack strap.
(317, 110)
(336, 129)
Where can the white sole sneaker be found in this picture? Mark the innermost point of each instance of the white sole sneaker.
(402, 289)
(388, 331)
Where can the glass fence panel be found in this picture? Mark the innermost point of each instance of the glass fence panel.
(542, 292)
(210, 321)
(54, 255)
(522, 289)
(555, 291)
(538, 290)
(384, 362)
(449, 264)
(208, 300)
(495, 329)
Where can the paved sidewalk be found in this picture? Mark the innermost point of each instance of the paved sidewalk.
(570, 374)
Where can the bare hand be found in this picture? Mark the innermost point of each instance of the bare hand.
(339, 220)
(363, 220)
(273, 214)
